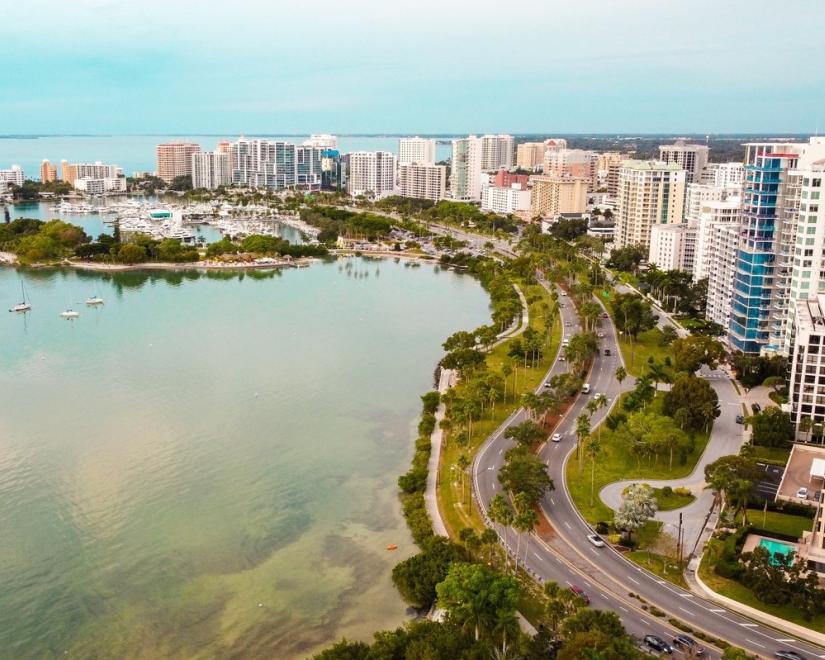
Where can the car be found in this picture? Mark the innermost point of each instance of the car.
(740, 419)
(564, 293)
(576, 589)
(586, 388)
(657, 644)
(689, 645)
(756, 408)
(607, 351)
(802, 493)
(567, 324)
(556, 437)
(600, 335)
(605, 316)
(562, 358)
(596, 540)
(788, 655)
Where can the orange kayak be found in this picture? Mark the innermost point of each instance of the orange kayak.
(392, 546)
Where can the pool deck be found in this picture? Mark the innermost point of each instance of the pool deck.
(754, 540)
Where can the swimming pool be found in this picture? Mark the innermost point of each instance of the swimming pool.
(775, 548)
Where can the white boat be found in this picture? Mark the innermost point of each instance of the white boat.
(69, 314)
(94, 300)
(24, 306)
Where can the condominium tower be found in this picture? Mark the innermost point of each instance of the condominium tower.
(13, 175)
(649, 192)
(497, 152)
(371, 173)
(465, 174)
(416, 150)
(48, 171)
(175, 159)
(690, 157)
(530, 155)
(275, 165)
(211, 169)
(70, 172)
(422, 181)
(553, 195)
(572, 162)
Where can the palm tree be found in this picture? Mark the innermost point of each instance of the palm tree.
(501, 514)
(582, 431)
(805, 426)
(526, 521)
(463, 463)
(521, 503)
(592, 448)
(506, 370)
(489, 537)
(621, 374)
(657, 373)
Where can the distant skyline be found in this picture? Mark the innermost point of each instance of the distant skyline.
(370, 67)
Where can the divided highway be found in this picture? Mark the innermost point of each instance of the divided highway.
(608, 578)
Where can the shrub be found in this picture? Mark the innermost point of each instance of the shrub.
(682, 491)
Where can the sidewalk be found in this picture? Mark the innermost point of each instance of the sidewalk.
(445, 382)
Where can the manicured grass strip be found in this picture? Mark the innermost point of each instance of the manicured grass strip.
(773, 455)
(778, 522)
(672, 500)
(664, 567)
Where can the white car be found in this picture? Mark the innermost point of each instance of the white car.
(556, 437)
(564, 293)
(596, 540)
(802, 493)
(562, 358)
(600, 335)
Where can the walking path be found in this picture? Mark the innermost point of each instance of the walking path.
(519, 325)
(446, 380)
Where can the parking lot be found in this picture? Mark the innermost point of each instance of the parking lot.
(798, 474)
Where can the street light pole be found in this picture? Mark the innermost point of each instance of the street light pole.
(679, 541)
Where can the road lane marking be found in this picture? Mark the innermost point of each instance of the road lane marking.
(646, 622)
(786, 640)
(761, 646)
(634, 580)
(552, 501)
(623, 609)
(567, 524)
(686, 595)
(686, 611)
(749, 625)
(716, 610)
(587, 584)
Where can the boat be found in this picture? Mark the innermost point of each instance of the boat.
(24, 306)
(94, 300)
(392, 546)
(69, 314)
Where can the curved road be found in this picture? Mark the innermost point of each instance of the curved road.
(566, 556)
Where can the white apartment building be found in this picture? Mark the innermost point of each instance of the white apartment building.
(275, 165)
(530, 155)
(466, 171)
(572, 163)
(726, 211)
(321, 141)
(371, 173)
(650, 192)
(553, 195)
(211, 170)
(497, 152)
(104, 186)
(690, 157)
(416, 150)
(806, 389)
(719, 242)
(13, 175)
(699, 195)
(422, 181)
(505, 200)
(724, 175)
(673, 247)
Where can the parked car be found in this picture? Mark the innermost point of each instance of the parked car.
(689, 645)
(576, 589)
(596, 540)
(756, 408)
(657, 644)
(788, 655)
(556, 437)
(802, 493)
(740, 419)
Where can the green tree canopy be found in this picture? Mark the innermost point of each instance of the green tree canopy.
(523, 472)
(772, 428)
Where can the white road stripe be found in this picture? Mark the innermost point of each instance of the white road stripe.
(623, 609)
(785, 640)
(686, 611)
(749, 625)
(634, 580)
(686, 595)
(567, 524)
(717, 611)
(761, 646)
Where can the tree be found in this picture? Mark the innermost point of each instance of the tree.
(479, 597)
(627, 258)
(130, 253)
(592, 449)
(502, 514)
(632, 315)
(690, 353)
(416, 578)
(526, 519)
(595, 634)
(181, 183)
(621, 374)
(489, 538)
(772, 428)
(696, 397)
(582, 431)
(523, 472)
(805, 426)
(525, 434)
(658, 373)
(462, 464)
(638, 506)
(734, 477)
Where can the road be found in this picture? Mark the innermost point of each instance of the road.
(568, 558)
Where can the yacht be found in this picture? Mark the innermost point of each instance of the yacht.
(69, 314)
(94, 300)
(24, 306)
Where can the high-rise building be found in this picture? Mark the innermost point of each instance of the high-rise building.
(422, 181)
(497, 152)
(211, 169)
(699, 195)
(371, 173)
(70, 172)
(692, 158)
(175, 159)
(724, 175)
(649, 193)
(530, 155)
(512, 199)
(333, 170)
(719, 242)
(572, 162)
(416, 150)
(275, 165)
(806, 387)
(714, 212)
(505, 179)
(322, 141)
(776, 246)
(554, 195)
(465, 172)
(673, 247)
(48, 172)
(13, 175)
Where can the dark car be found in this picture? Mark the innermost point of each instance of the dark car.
(580, 593)
(607, 351)
(756, 408)
(788, 655)
(740, 419)
(657, 644)
(689, 645)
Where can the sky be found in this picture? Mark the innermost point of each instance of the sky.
(411, 66)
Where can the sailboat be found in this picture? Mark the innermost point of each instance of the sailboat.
(24, 306)
(94, 300)
(69, 314)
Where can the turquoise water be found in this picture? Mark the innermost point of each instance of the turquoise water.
(137, 152)
(776, 547)
(205, 466)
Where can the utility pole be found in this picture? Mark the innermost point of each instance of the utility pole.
(679, 541)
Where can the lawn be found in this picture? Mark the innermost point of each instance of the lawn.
(741, 593)
(459, 511)
(778, 522)
(637, 354)
(772, 455)
(615, 464)
(670, 501)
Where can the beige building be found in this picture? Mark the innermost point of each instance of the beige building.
(71, 172)
(552, 195)
(572, 163)
(650, 192)
(422, 181)
(530, 155)
(48, 172)
(175, 159)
